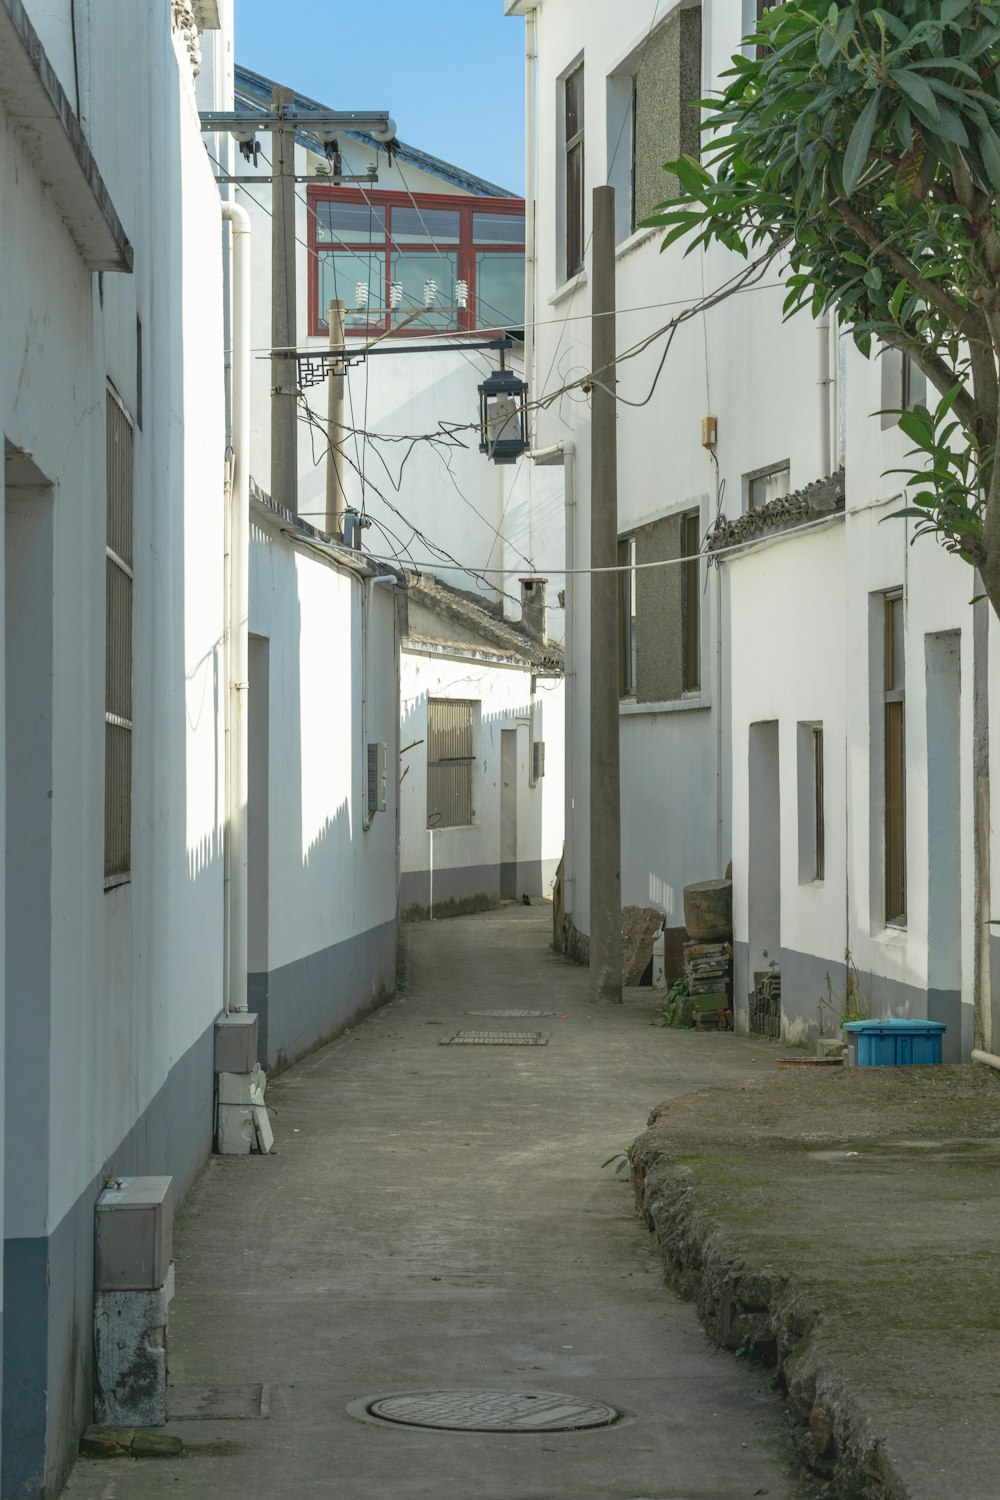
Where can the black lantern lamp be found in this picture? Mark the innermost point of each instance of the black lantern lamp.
(503, 416)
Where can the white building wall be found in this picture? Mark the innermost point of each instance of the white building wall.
(328, 909)
(135, 975)
(787, 626)
(466, 860)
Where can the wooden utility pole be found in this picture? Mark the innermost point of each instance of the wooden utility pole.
(335, 429)
(605, 809)
(284, 370)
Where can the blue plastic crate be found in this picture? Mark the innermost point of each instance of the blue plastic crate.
(897, 1044)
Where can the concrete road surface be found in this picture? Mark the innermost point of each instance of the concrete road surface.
(436, 1218)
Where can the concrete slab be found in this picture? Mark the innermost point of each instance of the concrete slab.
(438, 1217)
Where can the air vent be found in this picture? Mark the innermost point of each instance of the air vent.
(538, 760)
(378, 773)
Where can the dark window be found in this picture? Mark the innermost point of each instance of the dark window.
(767, 485)
(391, 246)
(820, 817)
(895, 762)
(691, 601)
(574, 183)
(626, 618)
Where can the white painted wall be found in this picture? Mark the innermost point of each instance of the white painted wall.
(504, 696)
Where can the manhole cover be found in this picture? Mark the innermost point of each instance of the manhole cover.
(493, 1411)
(495, 1039)
(512, 1014)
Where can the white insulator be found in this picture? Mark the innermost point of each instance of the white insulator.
(430, 293)
(461, 294)
(361, 296)
(395, 294)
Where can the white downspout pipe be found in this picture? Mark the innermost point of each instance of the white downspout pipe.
(530, 244)
(567, 453)
(238, 619)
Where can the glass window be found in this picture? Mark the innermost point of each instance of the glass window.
(499, 290)
(350, 222)
(574, 195)
(412, 271)
(498, 229)
(763, 488)
(426, 226)
(339, 274)
(895, 762)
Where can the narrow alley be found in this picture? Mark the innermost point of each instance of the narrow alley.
(436, 1218)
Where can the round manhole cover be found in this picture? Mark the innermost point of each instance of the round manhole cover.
(493, 1411)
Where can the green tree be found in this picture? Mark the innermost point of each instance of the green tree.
(862, 142)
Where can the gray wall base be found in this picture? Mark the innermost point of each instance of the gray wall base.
(310, 1001)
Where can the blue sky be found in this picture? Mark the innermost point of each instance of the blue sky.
(451, 73)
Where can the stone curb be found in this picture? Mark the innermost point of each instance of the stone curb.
(760, 1311)
(129, 1442)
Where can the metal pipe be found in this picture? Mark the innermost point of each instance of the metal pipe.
(530, 241)
(566, 453)
(238, 617)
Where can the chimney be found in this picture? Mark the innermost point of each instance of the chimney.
(534, 610)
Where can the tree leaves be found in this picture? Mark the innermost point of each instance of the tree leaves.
(856, 156)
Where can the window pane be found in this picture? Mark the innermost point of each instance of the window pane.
(574, 210)
(339, 273)
(766, 487)
(498, 229)
(820, 811)
(499, 290)
(894, 643)
(353, 223)
(895, 813)
(425, 226)
(691, 604)
(574, 103)
(412, 271)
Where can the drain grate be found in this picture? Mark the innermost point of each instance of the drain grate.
(492, 1411)
(218, 1403)
(512, 1014)
(495, 1039)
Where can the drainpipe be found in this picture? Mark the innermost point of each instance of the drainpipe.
(530, 251)
(565, 453)
(823, 391)
(237, 619)
(370, 585)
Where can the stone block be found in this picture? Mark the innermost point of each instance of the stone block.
(130, 1358)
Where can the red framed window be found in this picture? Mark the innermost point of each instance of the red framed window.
(379, 239)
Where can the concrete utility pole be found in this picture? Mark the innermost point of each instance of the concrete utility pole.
(605, 809)
(335, 429)
(284, 371)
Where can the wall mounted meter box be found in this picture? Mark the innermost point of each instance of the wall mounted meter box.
(134, 1226)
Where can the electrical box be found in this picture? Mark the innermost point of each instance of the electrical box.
(133, 1234)
(709, 431)
(538, 760)
(378, 775)
(236, 1042)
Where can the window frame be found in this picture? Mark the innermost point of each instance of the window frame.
(571, 146)
(691, 602)
(465, 251)
(117, 563)
(894, 883)
(784, 466)
(468, 761)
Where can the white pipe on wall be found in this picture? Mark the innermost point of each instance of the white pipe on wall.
(238, 618)
(566, 453)
(530, 241)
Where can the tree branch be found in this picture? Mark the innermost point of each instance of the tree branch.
(943, 378)
(971, 324)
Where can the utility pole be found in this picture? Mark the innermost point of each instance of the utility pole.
(284, 370)
(335, 428)
(605, 791)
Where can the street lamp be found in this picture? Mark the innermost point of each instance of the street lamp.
(503, 416)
